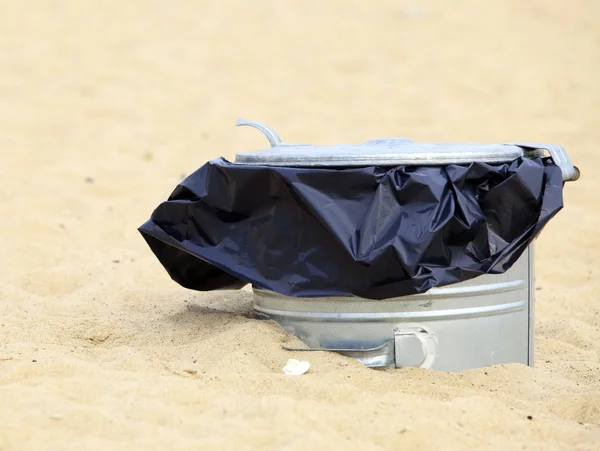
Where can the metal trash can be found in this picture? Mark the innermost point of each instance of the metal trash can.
(484, 321)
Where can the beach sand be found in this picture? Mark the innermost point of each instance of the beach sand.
(105, 106)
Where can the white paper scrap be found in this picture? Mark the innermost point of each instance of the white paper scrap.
(296, 367)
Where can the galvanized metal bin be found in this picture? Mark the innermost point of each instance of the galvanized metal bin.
(485, 321)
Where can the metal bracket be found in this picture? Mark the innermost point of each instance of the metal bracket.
(380, 356)
(422, 355)
(400, 352)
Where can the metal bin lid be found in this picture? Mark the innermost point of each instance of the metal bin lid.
(395, 152)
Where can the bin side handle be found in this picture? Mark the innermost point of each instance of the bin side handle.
(559, 156)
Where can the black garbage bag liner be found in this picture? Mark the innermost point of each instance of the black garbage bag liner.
(373, 232)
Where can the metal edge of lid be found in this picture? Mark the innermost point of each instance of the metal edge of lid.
(365, 155)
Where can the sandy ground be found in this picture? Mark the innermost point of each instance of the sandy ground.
(105, 105)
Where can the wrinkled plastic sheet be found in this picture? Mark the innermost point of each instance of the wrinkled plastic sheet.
(371, 232)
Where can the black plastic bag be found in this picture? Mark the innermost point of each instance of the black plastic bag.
(372, 232)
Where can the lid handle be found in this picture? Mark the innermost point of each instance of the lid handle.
(273, 137)
(559, 156)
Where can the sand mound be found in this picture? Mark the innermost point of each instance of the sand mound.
(106, 105)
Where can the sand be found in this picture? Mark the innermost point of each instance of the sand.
(104, 106)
